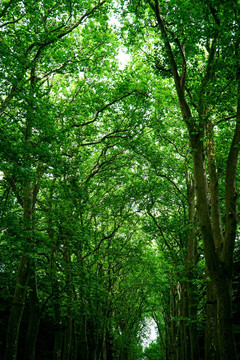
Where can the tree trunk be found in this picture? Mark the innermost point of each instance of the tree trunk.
(34, 319)
(57, 348)
(185, 314)
(23, 274)
(211, 336)
(67, 339)
(192, 259)
(192, 314)
(226, 343)
(219, 272)
(17, 309)
(167, 332)
(182, 315)
(58, 334)
(74, 350)
(83, 339)
(173, 331)
(69, 292)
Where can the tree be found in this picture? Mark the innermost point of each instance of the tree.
(195, 45)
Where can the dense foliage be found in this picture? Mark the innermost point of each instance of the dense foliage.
(118, 196)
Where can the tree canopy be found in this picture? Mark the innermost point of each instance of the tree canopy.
(119, 183)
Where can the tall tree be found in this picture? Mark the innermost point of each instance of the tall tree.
(198, 45)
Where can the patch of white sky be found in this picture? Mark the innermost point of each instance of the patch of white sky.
(150, 333)
(123, 56)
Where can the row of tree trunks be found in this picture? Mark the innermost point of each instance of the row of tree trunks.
(24, 273)
(17, 309)
(181, 322)
(181, 326)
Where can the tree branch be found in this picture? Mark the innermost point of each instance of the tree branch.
(230, 189)
(160, 229)
(106, 237)
(186, 112)
(11, 22)
(106, 106)
(68, 30)
(214, 188)
(11, 181)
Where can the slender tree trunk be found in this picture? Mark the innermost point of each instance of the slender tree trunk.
(164, 345)
(83, 339)
(167, 332)
(67, 339)
(185, 314)
(173, 351)
(34, 319)
(192, 259)
(58, 334)
(74, 351)
(109, 346)
(211, 335)
(181, 313)
(226, 343)
(23, 274)
(104, 348)
(69, 292)
(57, 347)
(99, 347)
(17, 309)
(192, 314)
